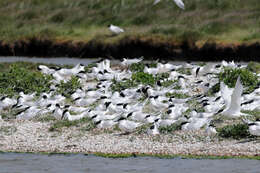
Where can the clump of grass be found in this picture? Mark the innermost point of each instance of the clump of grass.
(122, 85)
(166, 31)
(254, 67)
(194, 105)
(235, 131)
(183, 70)
(177, 95)
(58, 125)
(170, 128)
(137, 78)
(67, 88)
(229, 77)
(167, 83)
(162, 76)
(137, 67)
(255, 113)
(214, 89)
(18, 79)
(144, 78)
(46, 118)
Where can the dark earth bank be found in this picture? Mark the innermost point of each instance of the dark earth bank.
(132, 48)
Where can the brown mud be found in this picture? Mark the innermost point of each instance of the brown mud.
(132, 47)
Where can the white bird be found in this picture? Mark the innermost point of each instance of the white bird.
(105, 124)
(179, 3)
(115, 29)
(210, 130)
(127, 125)
(66, 115)
(153, 130)
(28, 113)
(6, 102)
(195, 123)
(254, 128)
(127, 62)
(46, 70)
(233, 108)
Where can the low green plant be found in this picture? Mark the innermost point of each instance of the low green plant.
(195, 105)
(143, 78)
(177, 95)
(46, 118)
(183, 70)
(122, 85)
(137, 67)
(255, 113)
(58, 125)
(167, 83)
(229, 77)
(214, 89)
(162, 76)
(254, 67)
(171, 128)
(235, 131)
(67, 88)
(19, 79)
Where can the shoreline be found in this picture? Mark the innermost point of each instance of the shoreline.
(149, 47)
(34, 137)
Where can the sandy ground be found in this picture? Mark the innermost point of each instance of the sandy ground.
(32, 136)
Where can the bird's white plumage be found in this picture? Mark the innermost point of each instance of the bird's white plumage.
(115, 29)
(234, 107)
(179, 3)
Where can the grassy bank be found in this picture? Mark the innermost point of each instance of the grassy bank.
(129, 155)
(225, 21)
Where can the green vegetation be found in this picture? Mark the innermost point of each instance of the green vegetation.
(137, 67)
(177, 95)
(17, 78)
(122, 85)
(254, 67)
(143, 78)
(255, 113)
(170, 129)
(127, 155)
(137, 78)
(67, 88)
(46, 118)
(214, 89)
(183, 70)
(81, 20)
(194, 105)
(58, 125)
(235, 131)
(248, 79)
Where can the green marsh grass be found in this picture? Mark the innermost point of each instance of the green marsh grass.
(81, 20)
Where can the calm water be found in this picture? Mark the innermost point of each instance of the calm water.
(69, 61)
(35, 163)
(62, 60)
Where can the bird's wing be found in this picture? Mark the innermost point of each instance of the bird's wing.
(179, 3)
(235, 104)
(225, 93)
(156, 2)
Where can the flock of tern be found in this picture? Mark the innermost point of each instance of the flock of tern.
(152, 106)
